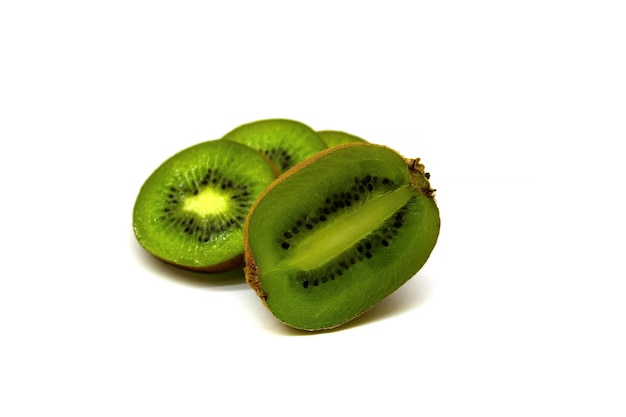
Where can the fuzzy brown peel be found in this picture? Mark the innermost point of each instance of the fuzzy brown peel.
(419, 177)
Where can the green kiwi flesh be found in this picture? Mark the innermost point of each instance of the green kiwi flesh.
(191, 210)
(338, 233)
(284, 142)
(336, 137)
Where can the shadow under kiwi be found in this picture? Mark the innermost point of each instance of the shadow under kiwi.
(230, 280)
(408, 297)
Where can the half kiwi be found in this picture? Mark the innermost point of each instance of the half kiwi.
(284, 142)
(338, 233)
(190, 212)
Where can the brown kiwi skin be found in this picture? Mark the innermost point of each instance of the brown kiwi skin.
(416, 171)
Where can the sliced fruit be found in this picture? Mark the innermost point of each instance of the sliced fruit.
(190, 212)
(284, 142)
(338, 233)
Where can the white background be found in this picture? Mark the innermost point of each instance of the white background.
(518, 110)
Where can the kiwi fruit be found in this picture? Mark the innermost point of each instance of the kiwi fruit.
(339, 232)
(284, 142)
(191, 210)
(337, 137)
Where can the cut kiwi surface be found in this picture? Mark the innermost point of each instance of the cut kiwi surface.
(190, 212)
(338, 233)
(284, 142)
(337, 137)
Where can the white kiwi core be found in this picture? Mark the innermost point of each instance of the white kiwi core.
(318, 248)
(206, 203)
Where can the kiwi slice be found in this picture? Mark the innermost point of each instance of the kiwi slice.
(284, 142)
(190, 212)
(336, 137)
(338, 233)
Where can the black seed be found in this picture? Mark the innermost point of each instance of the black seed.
(295, 229)
(285, 245)
(339, 272)
(288, 235)
(397, 224)
(370, 187)
(324, 279)
(360, 248)
(332, 276)
(347, 203)
(322, 218)
(427, 175)
(385, 243)
(385, 181)
(368, 255)
(356, 197)
(316, 282)
(309, 226)
(352, 261)
(368, 246)
(305, 284)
